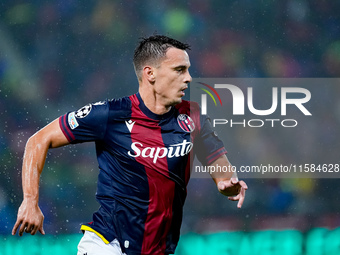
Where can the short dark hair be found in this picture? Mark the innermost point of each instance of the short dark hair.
(152, 49)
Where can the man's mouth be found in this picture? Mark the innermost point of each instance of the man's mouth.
(182, 90)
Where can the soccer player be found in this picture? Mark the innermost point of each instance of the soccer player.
(144, 144)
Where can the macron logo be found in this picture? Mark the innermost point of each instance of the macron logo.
(129, 124)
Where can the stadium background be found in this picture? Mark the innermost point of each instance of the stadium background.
(57, 56)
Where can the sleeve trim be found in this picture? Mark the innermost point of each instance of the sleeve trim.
(65, 129)
(215, 155)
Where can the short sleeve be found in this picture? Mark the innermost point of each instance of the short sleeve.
(208, 147)
(87, 124)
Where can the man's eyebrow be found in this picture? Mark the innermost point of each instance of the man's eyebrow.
(181, 67)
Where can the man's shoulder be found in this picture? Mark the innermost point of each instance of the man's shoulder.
(122, 103)
(109, 105)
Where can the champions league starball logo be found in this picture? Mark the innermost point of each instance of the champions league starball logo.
(84, 111)
(294, 97)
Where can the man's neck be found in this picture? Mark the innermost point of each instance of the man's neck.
(153, 103)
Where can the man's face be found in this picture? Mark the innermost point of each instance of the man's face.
(172, 76)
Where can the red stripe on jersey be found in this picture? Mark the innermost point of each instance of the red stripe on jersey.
(183, 126)
(161, 189)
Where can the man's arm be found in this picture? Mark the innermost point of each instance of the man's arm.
(227, 181)
(30, 216)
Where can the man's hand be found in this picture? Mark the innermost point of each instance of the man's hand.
(234, 189)
(30, 218)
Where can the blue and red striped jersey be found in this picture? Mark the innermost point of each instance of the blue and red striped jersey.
(144, 166)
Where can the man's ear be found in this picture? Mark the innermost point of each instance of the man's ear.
(148, 73)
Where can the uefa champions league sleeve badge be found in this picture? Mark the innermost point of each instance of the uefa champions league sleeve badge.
(84, 111)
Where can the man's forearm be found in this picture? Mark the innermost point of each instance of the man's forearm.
(36, 149)
(33, 164)
(227, 173)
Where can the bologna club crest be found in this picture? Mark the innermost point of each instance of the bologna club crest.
(186, 123)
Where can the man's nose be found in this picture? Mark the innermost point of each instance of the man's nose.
(188, 78)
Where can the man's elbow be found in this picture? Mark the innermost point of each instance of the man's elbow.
(38, 141)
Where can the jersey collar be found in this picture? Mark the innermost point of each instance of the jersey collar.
(149, 113)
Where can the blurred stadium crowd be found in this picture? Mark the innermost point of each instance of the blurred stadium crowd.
(56, 56)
